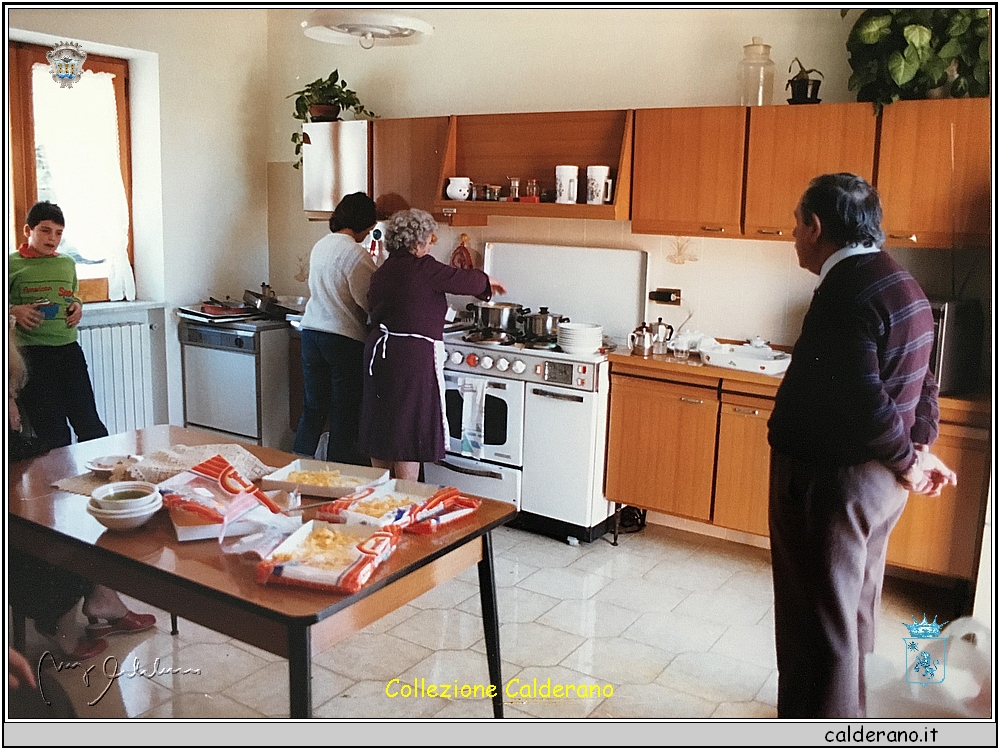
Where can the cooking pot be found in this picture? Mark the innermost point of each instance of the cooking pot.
(498, 316)
(542, 324)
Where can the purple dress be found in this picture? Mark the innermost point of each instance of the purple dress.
(401, 415)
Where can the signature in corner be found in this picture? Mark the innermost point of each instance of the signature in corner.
(110, 671)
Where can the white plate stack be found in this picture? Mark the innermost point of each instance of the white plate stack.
(579, 338)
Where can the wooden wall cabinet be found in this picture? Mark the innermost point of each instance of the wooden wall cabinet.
(492, 148)
(743, 464)
(406, 160)
(933, 173)
(789, 146)
(661, 446)
(688, 171)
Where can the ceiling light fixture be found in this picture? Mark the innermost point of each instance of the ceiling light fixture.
(343, 26)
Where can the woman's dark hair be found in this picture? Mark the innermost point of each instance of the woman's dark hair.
(848, 208)
(355, 212)
(44, 211)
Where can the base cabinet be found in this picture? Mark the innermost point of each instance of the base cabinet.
(742, 466)
(942, 534)
(661, 446)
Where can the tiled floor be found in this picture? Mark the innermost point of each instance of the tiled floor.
(678, 625)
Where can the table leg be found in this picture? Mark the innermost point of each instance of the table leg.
(491, 625)
(299, 673)
(173, 624)
(618, 518)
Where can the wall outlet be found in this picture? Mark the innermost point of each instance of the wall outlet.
(666, 296)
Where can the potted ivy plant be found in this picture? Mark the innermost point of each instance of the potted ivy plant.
(908, 53)
(324, 100)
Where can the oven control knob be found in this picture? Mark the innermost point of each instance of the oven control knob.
(456, 357)
(518, 366)
(486, 363)
(502, 364)
(472, 360)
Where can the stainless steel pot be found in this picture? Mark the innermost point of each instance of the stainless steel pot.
(498, 316)
(542, 324)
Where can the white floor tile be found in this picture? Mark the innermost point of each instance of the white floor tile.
(532, 644)
(752, 643)
(674, 632)
(369, 700)
(372, 656)
(555, 692)
(441, 629)
(642, 595)
(589, 618)
(565, 583)
(714, 677)
(653, 702)
(618, 660)
(723, 607)
(514, 604)
(447, 595)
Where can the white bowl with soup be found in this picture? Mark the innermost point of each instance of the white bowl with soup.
(124, 496)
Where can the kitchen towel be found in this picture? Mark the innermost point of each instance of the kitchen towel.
(473, 392)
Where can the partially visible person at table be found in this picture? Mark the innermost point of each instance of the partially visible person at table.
(42, 289)
(850, 437)
(334, 328)
(48, 594)
(403, 413)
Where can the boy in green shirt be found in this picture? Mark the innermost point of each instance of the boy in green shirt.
(42, 289)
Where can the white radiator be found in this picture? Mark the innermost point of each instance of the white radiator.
(120, 364)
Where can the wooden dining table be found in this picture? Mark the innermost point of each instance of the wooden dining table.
(196, 581)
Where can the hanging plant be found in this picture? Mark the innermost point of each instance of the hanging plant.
(323, 100)
(906, 53)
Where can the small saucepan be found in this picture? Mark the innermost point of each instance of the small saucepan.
(542, 324)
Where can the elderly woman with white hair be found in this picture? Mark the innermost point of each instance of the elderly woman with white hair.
(402, 412)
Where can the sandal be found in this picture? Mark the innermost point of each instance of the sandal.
(130, 622)
(86, 648)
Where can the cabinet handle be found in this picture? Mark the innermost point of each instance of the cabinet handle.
(776, 232)
(713, 229)
(743, 410)
(910, 237)
(689, 400)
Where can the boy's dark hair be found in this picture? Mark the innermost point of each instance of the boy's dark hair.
(355, 212)
(44, 211)
(848, 208)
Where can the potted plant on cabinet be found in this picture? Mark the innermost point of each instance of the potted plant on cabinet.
(324, 100)
(805, 90)
(910, 53)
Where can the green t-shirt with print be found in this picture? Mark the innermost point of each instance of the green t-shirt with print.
(51, 278)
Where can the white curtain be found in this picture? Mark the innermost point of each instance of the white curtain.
(76, 131)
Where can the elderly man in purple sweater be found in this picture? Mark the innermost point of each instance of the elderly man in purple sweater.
(850, 434)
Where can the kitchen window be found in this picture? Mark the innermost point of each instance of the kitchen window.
(71, 146)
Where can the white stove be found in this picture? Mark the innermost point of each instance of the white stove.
(529, 425)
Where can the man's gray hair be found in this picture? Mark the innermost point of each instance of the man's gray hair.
(407, 230)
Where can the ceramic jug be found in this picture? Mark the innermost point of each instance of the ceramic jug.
(458, 188)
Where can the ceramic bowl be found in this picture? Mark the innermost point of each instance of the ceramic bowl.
(120, 496)
(125, 519)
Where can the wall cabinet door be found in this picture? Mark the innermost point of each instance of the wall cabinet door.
(406, 160)
(941, 534)
(688, 171)
(743, 465)
(791, 145)
(933, 172)
(661, 446)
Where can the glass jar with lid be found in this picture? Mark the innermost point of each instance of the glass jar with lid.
(756, 74)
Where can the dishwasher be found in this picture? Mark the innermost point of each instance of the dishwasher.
(235, 379)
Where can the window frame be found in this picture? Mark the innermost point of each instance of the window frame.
(21, 56)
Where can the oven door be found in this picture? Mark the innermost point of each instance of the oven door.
(503, 419)
(476, 478)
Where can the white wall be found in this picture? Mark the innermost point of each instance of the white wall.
(201, 227)
(482, 61)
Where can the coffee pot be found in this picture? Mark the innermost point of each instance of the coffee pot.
(662, 333)
(640, 341)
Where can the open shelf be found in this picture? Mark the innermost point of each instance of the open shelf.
(491, 148)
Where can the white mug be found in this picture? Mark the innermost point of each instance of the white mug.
(598, 185)
(458, 188)
(566, 184)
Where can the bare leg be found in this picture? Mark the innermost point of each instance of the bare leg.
(104, 603)
(399, 469)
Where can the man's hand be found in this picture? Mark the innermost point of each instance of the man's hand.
(928, 475)
(18, 671)
(28, 316)
(73, 314)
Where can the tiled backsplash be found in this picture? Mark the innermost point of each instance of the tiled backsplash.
(734, 289)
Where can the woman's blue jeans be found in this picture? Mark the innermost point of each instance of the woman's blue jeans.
(332, 387)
